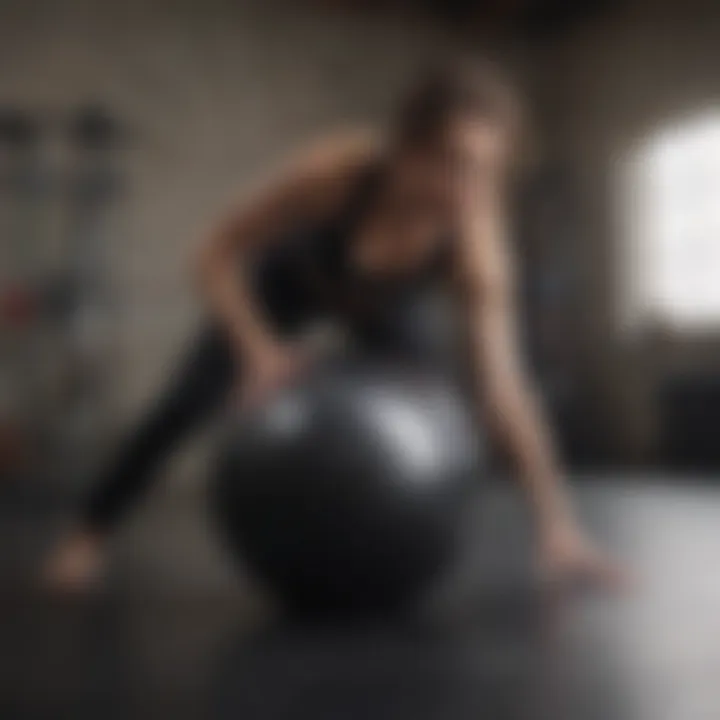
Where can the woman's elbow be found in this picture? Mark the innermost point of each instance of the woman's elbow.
(204, 261)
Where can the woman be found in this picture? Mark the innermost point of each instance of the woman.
(350, 229)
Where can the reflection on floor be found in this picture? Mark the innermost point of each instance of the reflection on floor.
(175, 635)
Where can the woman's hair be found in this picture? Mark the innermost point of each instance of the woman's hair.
(458, 88)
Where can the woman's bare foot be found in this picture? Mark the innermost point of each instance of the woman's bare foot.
(75, 564)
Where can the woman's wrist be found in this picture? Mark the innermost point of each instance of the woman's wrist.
(255, 348)
(553, 510)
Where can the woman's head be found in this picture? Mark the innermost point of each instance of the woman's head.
(455, 92)
(460, 115)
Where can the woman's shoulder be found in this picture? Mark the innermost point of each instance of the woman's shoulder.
(348, 148)
(334, 161)
(311, 184)
(332, 165)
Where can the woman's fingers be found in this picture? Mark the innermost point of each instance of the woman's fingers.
(271, 374)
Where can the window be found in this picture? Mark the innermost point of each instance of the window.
(671, 243)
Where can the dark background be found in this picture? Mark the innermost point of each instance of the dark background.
(124, 128)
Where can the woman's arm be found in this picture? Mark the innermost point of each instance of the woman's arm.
(510, 402)
(309, 188)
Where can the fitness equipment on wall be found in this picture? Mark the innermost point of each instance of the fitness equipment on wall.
(60, 179)
(82, 296)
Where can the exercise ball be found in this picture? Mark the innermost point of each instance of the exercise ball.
(345, 491)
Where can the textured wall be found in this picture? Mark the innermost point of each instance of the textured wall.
(214, 91)
(609, 85)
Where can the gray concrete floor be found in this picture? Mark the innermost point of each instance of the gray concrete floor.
(177, 632)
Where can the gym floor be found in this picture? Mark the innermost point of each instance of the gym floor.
(176, 634)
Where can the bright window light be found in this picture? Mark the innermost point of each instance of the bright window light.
(671, 242)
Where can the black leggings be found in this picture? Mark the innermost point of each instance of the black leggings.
(201, 387)
(197, 391)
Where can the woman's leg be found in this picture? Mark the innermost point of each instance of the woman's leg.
(197, 391)
(200, 387)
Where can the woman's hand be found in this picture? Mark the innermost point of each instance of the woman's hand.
(269, 367)
(566, 557)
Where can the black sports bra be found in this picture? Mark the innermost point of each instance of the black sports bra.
(316, 263)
